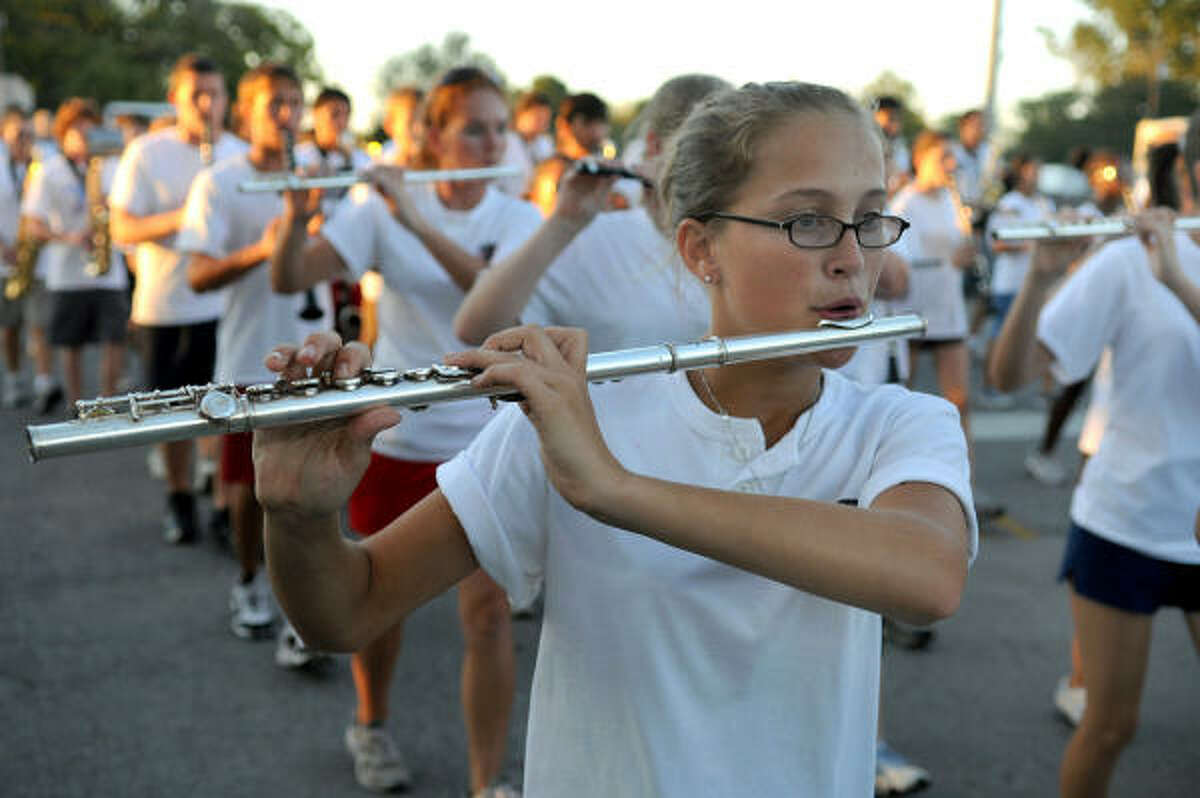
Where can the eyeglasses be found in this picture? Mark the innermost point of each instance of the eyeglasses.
(818, 231)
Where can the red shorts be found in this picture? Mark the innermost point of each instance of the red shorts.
(389, 487)
(237, 458)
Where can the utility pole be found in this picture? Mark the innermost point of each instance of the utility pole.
(989, 101)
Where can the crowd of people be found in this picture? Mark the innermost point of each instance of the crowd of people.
(753, 532)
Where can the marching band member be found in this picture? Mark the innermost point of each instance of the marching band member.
(429, 243)
(178, 326)
(226, 237)
(614, 274)
(715, 546)
(1130, 549)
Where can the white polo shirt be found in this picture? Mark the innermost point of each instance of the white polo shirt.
(1142, 487)
(219, 220)
(664, 673)
(416, 309)
(154, 175)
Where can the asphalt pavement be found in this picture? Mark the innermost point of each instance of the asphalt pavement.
(119, 675)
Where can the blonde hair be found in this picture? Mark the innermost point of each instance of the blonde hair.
(715, 148)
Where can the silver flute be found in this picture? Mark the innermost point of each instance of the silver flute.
(292, 182)
(1102, 227)
(193, 411)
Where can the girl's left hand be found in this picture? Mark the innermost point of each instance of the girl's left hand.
(548, 367)
(388, 180)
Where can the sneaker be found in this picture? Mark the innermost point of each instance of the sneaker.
(1045, 469)
(498, 790)
(290, 651)
(914, 638)
(180, 526)
(46, 401)
(14, 393)
(155, 463)
(1070, 701)
(378, 765)
(895, 774)
(994, 400)
(251, 605)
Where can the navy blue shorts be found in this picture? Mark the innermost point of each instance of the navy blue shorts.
(1118, 576)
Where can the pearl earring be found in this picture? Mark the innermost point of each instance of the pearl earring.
(708, 278)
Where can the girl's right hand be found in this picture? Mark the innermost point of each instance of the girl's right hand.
(1053, 257)
(310, 469)
(581, 196)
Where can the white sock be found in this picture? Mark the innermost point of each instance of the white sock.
(43, 383)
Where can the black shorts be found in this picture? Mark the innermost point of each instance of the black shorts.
(94, 315)
(1118, 576)
(174, 355)
(929, 344)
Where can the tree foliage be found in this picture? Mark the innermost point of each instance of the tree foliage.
(422, 66)
(123, 49)
(1060, 121)
(1129, 40)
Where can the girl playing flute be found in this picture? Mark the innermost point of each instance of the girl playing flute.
(716, 547)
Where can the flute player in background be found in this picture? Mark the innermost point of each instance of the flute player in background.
(711, 515)
(1131, 547)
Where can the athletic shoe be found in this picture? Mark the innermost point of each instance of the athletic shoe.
(290, 651)
(155, 464)
(46, 401)
(1070, 701)
(994, 400)
(14, 392)
(180, 524)
(251, 605)
(895, 774)
(913, 638)
(378, 765)
(498, 790)
(1045, 469)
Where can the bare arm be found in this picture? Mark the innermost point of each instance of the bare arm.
(298, 262)
(1156, 228)
(893, 278)
(341, 594)
(128, 229)
(207, 273)
(501, 292)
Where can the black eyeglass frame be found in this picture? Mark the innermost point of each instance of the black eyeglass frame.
(786, 226)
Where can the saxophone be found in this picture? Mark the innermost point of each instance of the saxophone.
(98, 223)
(28, 249)
(102, 143)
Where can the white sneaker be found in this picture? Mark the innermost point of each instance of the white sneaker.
(14, 392)
(1070, 701)
(252, 607)
(1045, 469)
(895, 774)
(290, 651)
(155, 463)
(378, 765)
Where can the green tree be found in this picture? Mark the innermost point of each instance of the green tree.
(1135, 40)
(422, 66)
(123, 49)
(1058, 122)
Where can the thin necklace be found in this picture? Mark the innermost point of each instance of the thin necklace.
(725, 413)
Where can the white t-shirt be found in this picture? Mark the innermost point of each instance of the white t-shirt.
(935, 289)
(154, 175)
(12, 179)
(622, 281)
(661, 672)
(1015, 209)
(57, 196)
(1142, 488)
(218, 221)
(416, 309)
